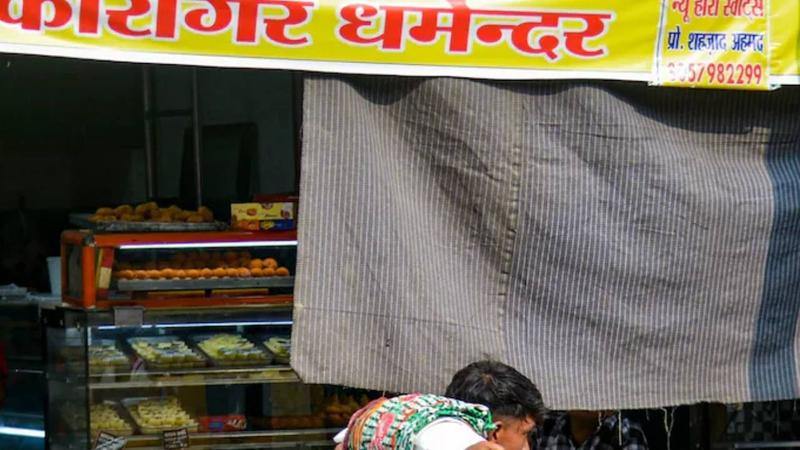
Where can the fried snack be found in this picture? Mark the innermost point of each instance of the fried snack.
(232, 272)
(219, 272)
(206, 214)
(193, 273)
(270, 262)
(146, 209)
(95, 218)
(206, 273)
(244, 273)
(256, 264)
(269, 272)
(257, 272)
(105, 212)
(282, 272)
(123, 210)
(195, 218)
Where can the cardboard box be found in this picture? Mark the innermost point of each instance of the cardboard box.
(262, 211)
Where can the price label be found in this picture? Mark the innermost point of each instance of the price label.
(106, 441)
(176, 439)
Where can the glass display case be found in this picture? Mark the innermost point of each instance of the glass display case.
(177, 269)
(219, 374)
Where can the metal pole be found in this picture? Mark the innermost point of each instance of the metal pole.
(196, 129)
(149, 134)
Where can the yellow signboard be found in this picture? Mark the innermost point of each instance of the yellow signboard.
(663, 42)
(714, 44)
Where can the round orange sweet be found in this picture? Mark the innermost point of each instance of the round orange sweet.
(232, 272)
(244, 273)
(167, 273)
(180, 273)
(193, 273)
(126, 274)
(256, 264)
(257, 272)
(282, 272)
(271, 262)
(138, 274)
(269, 272)
(219, 272)
(153, 274)
(206, 273)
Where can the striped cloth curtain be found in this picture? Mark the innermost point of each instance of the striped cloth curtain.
(623, 246)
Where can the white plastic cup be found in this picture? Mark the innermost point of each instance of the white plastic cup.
(54, 268)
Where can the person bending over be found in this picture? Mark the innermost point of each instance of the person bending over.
(488, 406)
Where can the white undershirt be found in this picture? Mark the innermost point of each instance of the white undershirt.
(442, 434)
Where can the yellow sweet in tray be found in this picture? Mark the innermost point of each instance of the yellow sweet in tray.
(160, 414)
(104, 417)
(106, 356)
(231, 348)
(170, 352)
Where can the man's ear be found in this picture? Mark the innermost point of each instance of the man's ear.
(493, 435)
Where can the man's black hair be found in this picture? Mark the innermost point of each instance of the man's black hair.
(501, 388)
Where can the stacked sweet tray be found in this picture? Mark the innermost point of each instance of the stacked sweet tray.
(106, 417)
(105, 356)
(280, 346)
(154, 415)
(231, 350)
(166, 352)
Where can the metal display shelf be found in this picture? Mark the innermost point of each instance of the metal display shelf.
(189, 284)
(216, 376)
(82, 221)
(246, 440)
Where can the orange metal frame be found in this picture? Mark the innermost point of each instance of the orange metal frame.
(90, 243)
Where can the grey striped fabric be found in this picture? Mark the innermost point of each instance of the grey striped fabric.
(611, 241)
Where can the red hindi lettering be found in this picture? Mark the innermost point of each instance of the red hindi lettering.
(576, 40)
(744, 8)
(250, 14)
(521, 35)
(706, 8)
(358, 16)
(32, 14)
(166, 23)
(119, 20)
(459, 29)
(682, 6)
(89, 17)
(297, 14)
(219, 10)
(5, 13)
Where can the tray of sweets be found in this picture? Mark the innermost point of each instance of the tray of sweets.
(166, 352)
(105, 356)
(227, 349)
(107, 416)
(154, 415)
(279, 346)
